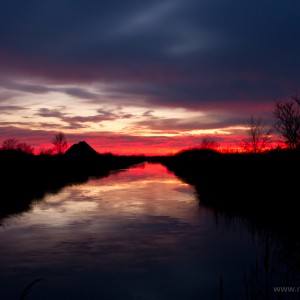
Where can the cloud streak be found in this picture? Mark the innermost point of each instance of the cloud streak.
(223, 59)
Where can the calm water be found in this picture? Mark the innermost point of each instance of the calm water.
(137, 234)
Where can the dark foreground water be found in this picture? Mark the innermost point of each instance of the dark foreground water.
(137, 234)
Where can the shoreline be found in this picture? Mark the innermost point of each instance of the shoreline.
(27, 178)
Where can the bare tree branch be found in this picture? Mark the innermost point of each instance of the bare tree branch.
(208, 143)
(287, 116)
(60, 143)
(258, 137)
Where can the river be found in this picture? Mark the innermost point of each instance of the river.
(137, 234)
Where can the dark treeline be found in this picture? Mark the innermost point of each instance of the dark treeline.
(260, 190)
(25, 177)
(262, 187)
(260, 184)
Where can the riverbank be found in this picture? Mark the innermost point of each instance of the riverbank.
(259, 187)
(25, 178)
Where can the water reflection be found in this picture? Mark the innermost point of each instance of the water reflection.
(138, 234)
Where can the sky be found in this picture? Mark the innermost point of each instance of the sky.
(151, 77)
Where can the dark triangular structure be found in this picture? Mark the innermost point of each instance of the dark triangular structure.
(82, 149)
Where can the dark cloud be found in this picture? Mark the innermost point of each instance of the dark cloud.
(81, 93)
(74, 122)
(50, 125)
(177, 125)
(6, 96)
(28, 88)
(10, 108)
(78, 122)
(7, 124)
(148, 113)
(114, 114)
(180, 53)
(50, 113)
(101, 116)
(43, 88)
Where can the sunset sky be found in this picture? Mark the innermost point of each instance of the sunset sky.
(135, 76)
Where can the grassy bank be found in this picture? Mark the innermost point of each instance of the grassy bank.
(262, 191)
(26, 177)
(261, 187)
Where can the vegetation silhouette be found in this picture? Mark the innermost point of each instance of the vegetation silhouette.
(26, 177)
(258, 187)
(258, 190)
(287, 117)
(261, 187)
(60, 143)
(258, 137)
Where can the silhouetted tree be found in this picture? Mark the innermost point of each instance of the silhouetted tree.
(10, 144)
(13, 144)
(287, 116)
(24, 147)
(46, 151)
(60, 143)
(258, 137)
(208, 143)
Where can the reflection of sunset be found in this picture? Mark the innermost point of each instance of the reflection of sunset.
(121, 196)
(142, 223)
(142, 79)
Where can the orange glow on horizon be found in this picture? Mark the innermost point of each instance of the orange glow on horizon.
(150, 150)
(142, 150)
(118, 144)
